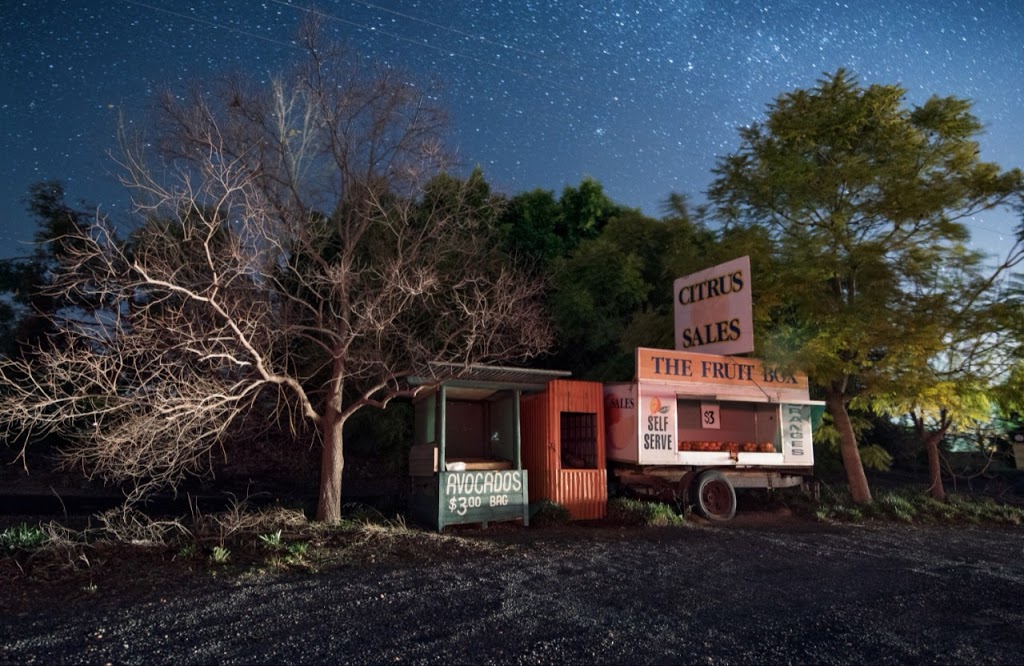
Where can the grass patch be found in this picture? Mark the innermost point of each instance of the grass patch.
(915, 506)
(358, 517)
(643, 513)
(550, 514)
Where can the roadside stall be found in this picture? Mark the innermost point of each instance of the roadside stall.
(564, 447)
(700, 425)
(466, 463)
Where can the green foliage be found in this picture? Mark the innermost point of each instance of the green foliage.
(271, 539)
(897, 505)
(22, 537)
(385, 434)
(873, 456)
(827, 457)
(297, 549)
(862, 198)
(613, 292)
(219, 555)
(23, 318)
(643, 513)
(188, 551)
(537, 229)
(550, 514)
(918, 507)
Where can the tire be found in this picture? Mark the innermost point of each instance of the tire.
(684, 491)
(715, 497)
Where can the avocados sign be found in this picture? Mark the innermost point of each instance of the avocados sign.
(713, 310)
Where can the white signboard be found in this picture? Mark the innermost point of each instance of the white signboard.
(713, 310)
(658, 429)
(797, 446)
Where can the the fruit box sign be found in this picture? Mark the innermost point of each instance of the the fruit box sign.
(713, 310)
(711, 374)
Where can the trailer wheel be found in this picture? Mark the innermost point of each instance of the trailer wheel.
(716, 498)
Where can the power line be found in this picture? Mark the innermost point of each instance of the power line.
(444, 27)
(210, 23)
(424, 43)
(373, 30)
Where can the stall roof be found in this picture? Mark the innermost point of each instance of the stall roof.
(488, 376)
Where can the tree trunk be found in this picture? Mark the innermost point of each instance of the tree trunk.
(931, 444)
(332, 463)
(836, 405)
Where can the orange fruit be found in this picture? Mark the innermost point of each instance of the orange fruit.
(655, 405)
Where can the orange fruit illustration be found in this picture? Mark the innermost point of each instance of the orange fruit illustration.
(655, 405)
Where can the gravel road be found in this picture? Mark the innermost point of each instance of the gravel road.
(804, 594)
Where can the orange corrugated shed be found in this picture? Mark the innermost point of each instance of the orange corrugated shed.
(582, 489)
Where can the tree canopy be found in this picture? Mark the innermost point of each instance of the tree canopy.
(862, 196)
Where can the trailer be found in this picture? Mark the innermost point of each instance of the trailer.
(695, 427)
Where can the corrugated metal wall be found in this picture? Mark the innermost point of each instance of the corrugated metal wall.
(584, 492)
(533, 425)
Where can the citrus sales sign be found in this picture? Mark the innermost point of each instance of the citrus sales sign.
(713, 310)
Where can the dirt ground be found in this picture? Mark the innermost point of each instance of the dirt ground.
(769, 587)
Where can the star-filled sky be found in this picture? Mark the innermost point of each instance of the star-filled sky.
(642, 95)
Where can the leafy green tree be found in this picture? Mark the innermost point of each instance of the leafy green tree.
(27, 316)
(613, 293)
(860, 195)
(976, 320)
(585, 210)
(536, 228)
(601, 288)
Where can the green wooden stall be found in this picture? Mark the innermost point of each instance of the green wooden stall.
(466, 463)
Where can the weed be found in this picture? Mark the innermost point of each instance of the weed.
(296, 552)
(913, 505)
(360, 517)
(897, 506)
(220, 555)
(188, 551)
(853, 513)
(22, 537)
(241, 520)
(639, 512)
(550, 513)
(90, 588)
(271, 540)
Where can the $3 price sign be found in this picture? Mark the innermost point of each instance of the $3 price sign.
(710, 417)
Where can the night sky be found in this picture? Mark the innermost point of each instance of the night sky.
(641, 95)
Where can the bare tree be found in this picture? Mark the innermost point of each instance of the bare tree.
(302, 252)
